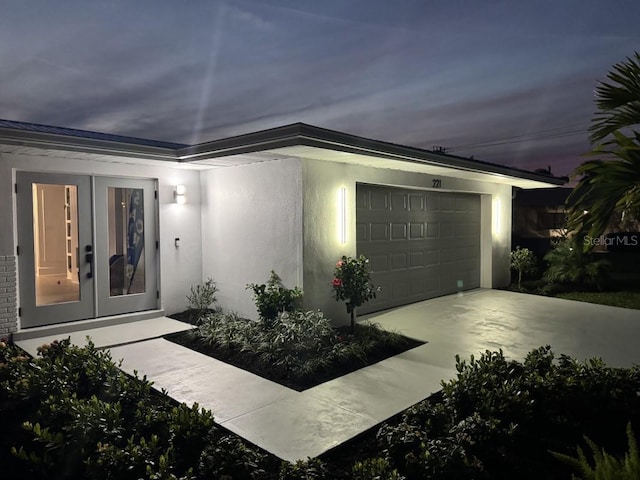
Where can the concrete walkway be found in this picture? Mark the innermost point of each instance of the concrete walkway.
(100, 334)
(292, 425)
(296, 425)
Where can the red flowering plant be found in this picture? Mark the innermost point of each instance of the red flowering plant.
(352, 284)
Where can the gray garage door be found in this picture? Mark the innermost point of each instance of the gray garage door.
(421, 244)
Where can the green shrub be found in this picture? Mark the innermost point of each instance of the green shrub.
(311, 469)
(523, 261)
(300, 343)
(87, 419)
(202, 297)
(606, 466)
(273, 297)
(227, 457)
(499, 418)
(296, 345)
(375, 469)
(568, 264)
(227, 332)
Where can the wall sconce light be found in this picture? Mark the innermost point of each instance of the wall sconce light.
(179, 194)
(342, 215)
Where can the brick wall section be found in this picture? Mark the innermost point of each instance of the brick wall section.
(8, 298)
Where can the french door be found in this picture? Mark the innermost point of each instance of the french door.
(87, 247)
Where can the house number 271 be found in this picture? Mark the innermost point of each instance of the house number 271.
(437, 182)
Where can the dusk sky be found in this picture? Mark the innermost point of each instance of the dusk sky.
(509, 82)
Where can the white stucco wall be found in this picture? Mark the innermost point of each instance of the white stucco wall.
(179, 268)
(322, 181)
(240, 222)
(251, 224)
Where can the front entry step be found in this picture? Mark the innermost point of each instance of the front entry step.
(103, 332)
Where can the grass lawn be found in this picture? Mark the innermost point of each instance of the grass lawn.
(615, 299)
(620, 291)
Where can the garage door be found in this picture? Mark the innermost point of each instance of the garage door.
(421, 244)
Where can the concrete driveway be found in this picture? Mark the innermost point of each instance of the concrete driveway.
(471, 322)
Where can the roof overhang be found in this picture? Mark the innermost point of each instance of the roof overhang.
(26, 138)
(297, 140)
(306, 141)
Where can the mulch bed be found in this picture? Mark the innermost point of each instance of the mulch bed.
(246, 361)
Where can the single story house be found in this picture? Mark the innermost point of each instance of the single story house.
(100, 225)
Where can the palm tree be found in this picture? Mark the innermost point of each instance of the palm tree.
(618, 102)
(610, 185)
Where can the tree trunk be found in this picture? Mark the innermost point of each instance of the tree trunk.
(353, 320)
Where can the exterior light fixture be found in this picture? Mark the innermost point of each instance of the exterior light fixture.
(496, 227)
(342, 215)
(179, 194)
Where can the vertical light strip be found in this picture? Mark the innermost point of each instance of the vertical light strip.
(496, 217)
(342, 215)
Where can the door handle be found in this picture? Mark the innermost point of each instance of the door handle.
(88, 257)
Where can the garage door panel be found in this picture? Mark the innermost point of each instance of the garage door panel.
(433, 230)
(432, 279)
(378, 200)
(448, 255)
(399, 261)
(420, 244)
(399, 289)
(416, 231)
(417, 286)
(379, 232)
(416, 259)
(362, 199)
(447, 230)
(447, 204)
(416, 202)
(398, 201)
(398, 231)
(383, 295)
(467, 205)
(466, 229)
(433, 202)
(431, 257)
(362, 232)
(379, 263)
(467, 254)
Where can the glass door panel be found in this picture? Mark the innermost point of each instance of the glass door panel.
(126, 241)
(54, 225)
(55, 243)
(126, 253)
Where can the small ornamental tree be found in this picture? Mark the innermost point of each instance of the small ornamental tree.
(352, 284)
(522, 261)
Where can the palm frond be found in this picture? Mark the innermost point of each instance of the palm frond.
(618, 100)
(605, 187)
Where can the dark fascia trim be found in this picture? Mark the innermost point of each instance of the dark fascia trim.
(297, 134)
(307, 135)
(287, 135)
(54, 141)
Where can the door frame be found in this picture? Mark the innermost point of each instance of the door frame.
(114, 305)
(95, 300)
(33, 315)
